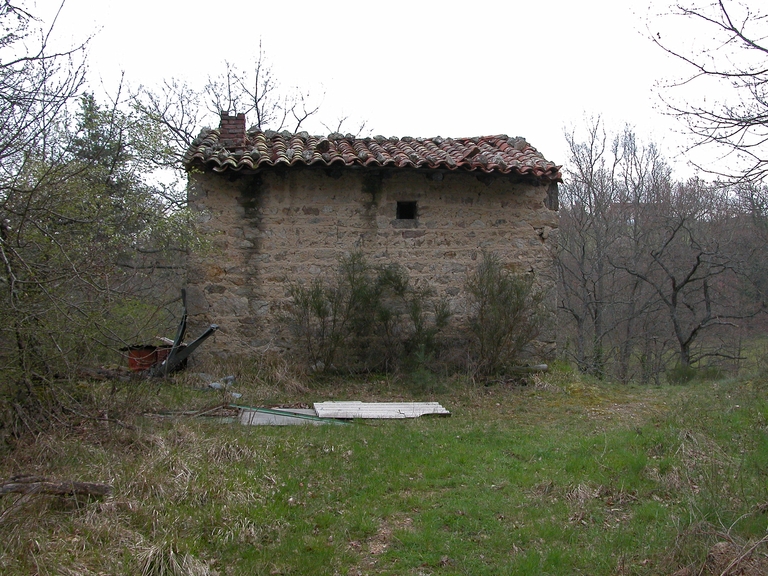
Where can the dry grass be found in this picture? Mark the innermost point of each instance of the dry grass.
(165, 560)
(560, 476)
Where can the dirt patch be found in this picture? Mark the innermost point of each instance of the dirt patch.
(615, 504)
(631, 413)
(377, 544)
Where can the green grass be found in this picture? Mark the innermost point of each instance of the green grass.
(561, 477)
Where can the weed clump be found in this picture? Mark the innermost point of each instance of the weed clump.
(681, 374)
(166, 560)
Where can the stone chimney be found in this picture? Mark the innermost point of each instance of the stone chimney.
(232, 130)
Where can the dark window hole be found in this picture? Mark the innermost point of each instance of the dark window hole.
(406, 210)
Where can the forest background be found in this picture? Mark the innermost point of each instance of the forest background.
(658, 276)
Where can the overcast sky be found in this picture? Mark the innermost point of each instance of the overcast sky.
(408, 68)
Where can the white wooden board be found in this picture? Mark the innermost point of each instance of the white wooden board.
(378, 409)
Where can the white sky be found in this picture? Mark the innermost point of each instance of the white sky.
(409, 68)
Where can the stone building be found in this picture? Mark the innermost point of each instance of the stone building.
(284, 207)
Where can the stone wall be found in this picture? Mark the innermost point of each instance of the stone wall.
(287, 225)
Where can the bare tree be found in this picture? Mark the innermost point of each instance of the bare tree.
(653, 270)
(587, 198)
(36, 84)
(733, 64)
(256, 91)
(690, 264)
(605, 179)
(359, 130)
(178, 111)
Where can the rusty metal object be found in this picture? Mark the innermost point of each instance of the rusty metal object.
(159, 361)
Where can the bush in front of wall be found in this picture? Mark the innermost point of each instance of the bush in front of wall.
(365, 318)
(506, 314)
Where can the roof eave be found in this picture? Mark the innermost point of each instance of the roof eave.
(244, 168)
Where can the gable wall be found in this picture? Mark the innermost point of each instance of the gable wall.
(295, 224)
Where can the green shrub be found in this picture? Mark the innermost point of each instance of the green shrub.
(685, 374)
(681, 374)
(365, 318)
(506, 314)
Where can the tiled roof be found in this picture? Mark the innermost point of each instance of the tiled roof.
(489, 154)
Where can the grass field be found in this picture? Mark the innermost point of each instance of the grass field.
(562, 476)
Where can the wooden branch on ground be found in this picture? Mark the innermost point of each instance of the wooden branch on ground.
(26, 484)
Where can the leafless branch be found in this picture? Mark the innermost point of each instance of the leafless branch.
(737, 60)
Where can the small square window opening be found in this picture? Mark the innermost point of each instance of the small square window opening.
(406, 210)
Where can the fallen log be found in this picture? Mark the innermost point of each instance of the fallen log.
(26, 484)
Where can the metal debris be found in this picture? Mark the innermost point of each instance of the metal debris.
(225, 383)
(162, 360)
(322, 413)
(252, 416)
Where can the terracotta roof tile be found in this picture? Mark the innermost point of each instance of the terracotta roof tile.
(489, 154)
